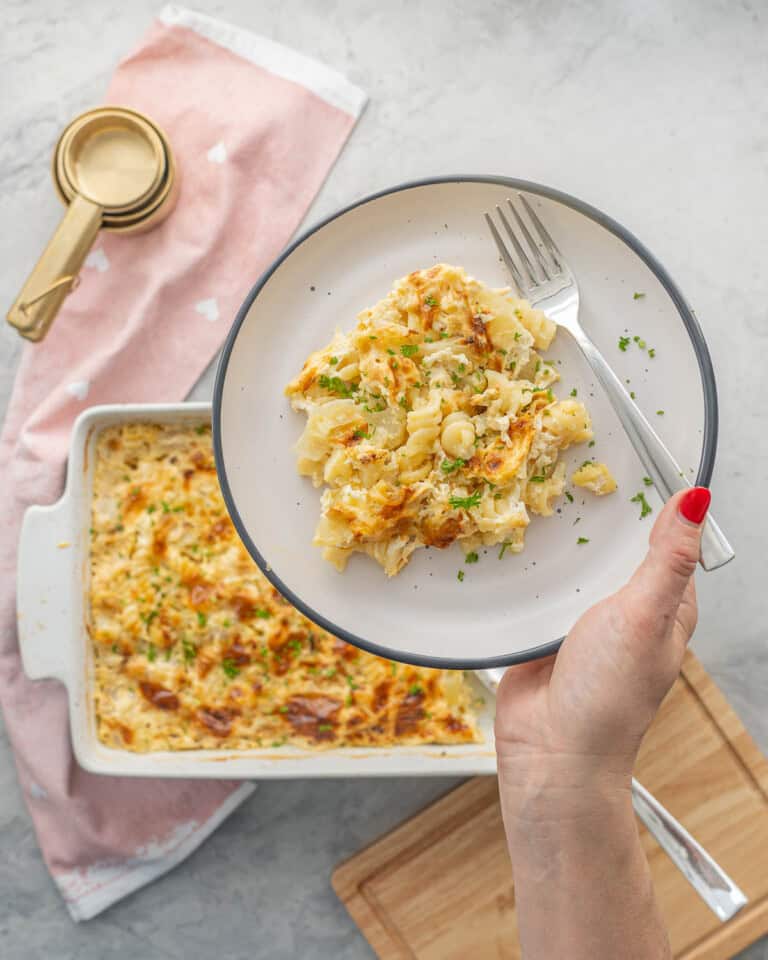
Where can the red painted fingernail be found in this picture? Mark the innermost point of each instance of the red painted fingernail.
(695, 504)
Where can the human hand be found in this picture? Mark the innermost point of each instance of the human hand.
(576, 719)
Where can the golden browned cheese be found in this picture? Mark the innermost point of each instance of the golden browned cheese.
(433, 421)
(193, 648)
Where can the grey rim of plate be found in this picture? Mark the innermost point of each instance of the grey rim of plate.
(709, 387)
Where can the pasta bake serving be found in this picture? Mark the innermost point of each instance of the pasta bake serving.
(192, 648)
(434, 421)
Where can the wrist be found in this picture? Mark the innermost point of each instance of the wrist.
(539, 789)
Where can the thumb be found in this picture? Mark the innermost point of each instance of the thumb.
(674, 549)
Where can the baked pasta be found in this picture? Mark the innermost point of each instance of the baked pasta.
(434, 421)
(193, 648)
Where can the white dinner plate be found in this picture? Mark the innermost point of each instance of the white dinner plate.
(506, 610)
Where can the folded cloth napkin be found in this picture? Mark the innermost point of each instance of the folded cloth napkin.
(255, 128)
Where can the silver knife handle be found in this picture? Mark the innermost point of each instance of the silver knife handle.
(659, 463)
(708, 879)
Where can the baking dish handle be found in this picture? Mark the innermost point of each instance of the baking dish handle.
(44, 600)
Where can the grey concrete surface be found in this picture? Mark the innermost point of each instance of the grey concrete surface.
(656, 113)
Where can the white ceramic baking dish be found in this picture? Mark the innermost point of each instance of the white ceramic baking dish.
(53, 616)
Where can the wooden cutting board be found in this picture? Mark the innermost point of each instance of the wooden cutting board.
(439, 887)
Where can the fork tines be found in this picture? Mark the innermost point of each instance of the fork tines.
(537, 257)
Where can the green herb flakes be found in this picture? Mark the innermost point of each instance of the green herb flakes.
(645, 507)
(229, 667)
(466, 503)
(337, 385)
(451, 466)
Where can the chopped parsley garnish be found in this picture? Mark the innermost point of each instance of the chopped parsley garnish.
(471, 557)
(372, 337)
(639, 342)
(351, 682)
(659, 413)
(149, 617)
(624, 343)
(151, 652)
(573, 392)
(333, 361)
(504, 547)
(538, 366)
(200, 430)
(638, 296)
(430, 302)
(451, 466)
(443, 335)
(361, 434)
(517, 335)
(569, 496)
(390, 351)
(466, 503)
(164, 505)
(583, 540)
(201, 618)
(337, 385)
(283, 709)
(647, 481)
(229, 667)
(151, 508)
(645, 507)
(404, 402)
(460, 576)
(115, 648)
(263, 614)
(409, 349)
(537, 479)
(393, 669)
(295, 645)
(652, 353)
(591, 443)
(324, 727)
(586, 463)
(415, 690)
(632, 394)
(188, 649)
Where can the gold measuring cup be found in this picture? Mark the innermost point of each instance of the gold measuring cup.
(115, 169)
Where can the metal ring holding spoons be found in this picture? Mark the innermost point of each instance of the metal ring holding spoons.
(115, 170)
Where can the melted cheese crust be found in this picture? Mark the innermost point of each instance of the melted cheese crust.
(433, 421)
(193, 648)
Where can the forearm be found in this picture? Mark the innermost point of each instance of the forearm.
(582, 884)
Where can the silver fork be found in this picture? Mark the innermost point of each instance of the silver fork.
(543, 278)
(723, 897)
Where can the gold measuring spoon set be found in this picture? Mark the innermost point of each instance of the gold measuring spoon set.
(114, 169)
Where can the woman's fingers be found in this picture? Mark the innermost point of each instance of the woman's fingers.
(673, 553)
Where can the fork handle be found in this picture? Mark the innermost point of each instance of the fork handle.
(659, 463)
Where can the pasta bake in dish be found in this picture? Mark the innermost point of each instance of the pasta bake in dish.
(434, 421)
(191, 646)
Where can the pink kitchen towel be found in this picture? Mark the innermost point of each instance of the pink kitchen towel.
(255, 128)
